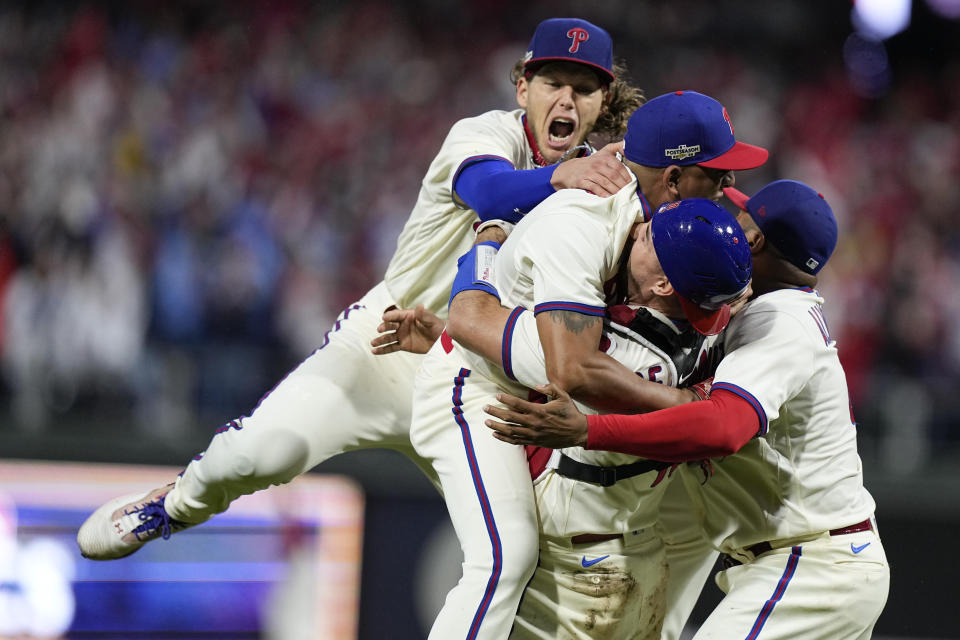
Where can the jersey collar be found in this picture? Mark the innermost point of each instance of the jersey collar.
(538, 158)
(645, 208)
(646, 211)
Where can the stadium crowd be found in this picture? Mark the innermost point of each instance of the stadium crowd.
(189, 196)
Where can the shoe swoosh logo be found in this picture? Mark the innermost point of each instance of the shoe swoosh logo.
(857, 549)
(586, 564)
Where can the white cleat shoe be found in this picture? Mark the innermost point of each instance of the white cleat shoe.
(125, 524)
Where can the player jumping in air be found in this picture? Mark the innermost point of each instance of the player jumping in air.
(343, 397)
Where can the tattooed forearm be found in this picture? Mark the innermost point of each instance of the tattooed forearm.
(574, 322)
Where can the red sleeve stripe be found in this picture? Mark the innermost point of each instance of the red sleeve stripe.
(746, 395)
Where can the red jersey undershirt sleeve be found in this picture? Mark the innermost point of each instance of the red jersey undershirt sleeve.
(707, 429)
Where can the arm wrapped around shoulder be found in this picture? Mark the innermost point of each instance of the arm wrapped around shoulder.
(713, 428)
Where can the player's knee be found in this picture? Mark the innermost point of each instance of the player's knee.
(520, 553)
(276, 457)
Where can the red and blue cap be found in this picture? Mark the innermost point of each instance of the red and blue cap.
(571, 40)
(795, 219)
(705, 256)
(686, 128)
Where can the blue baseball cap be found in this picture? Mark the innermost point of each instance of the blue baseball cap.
(795, 218)
(686, 128)
(705, 256)
(571, 40)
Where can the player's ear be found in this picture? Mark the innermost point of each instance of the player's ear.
(756, 240)
(671, 181)
(755, 237)
(522, 88)
(662, 286)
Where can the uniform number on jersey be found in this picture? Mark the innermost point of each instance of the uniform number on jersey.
(652, 374)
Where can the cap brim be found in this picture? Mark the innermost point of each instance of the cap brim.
(706, 321)
(535, 63)
(741, 156)
(737, 197)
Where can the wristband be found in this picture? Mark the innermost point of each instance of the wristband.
(475, 270)
(507, 227)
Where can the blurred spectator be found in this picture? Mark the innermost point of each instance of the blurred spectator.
(190, 193)
(36, 595)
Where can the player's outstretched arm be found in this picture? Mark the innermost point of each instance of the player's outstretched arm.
(601, 173)
(716, 427)
(413, 330)
(556, 424)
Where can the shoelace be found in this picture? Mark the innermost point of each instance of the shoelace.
(154, 517)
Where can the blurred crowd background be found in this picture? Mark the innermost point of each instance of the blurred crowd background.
(190, 192)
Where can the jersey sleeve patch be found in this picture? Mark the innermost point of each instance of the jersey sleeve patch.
(746, 395)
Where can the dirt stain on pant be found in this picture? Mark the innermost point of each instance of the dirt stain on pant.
(622, 608)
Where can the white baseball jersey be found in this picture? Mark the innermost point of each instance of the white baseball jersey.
(440, 229)
(802, 474)
(797, 486)
(559, 256)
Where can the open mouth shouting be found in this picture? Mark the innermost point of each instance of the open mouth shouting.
(560, 134)
(562, 102)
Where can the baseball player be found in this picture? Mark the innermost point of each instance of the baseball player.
(601, 562)
(555, 263)
(343, 397)
(786, 503)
